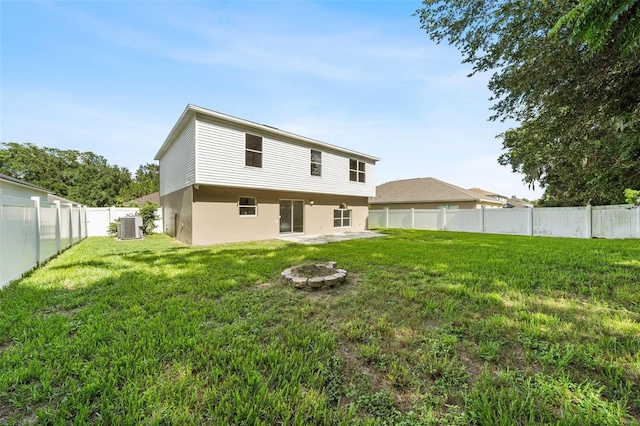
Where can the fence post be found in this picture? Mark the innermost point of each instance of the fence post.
(36, 203)
(482, 219)
(58, 225)
(84, 216)
(530, 230)
(413, 218)
(638, 221)
(444, 218)
(112, 213)
(587, 213)
(386, 217)
(79, 223)
(70, 223)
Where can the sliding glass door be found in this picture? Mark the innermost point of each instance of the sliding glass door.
(291, 216)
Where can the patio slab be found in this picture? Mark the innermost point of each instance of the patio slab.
(330, 238)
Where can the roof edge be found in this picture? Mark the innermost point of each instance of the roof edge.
(23, 183)
(194, 109)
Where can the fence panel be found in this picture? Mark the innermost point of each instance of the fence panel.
(614, 222)
(399, 218)
(99, 219)
(506, 221)
(463, 220)
(75, 224)
(65, 226)
(569, 222)
(48, 231)
(426, 219)
(377, 218)
(18, 246)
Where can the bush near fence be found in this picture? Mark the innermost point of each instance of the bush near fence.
(621, 221)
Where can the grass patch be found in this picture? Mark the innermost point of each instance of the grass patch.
(431, 328)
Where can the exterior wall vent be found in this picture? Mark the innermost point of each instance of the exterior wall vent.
(130, 228)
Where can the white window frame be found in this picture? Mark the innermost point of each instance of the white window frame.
(342, 209)
(357, 173)
(242, 206)
(318, 163)
(252, 150)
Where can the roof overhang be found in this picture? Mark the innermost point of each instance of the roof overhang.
(22, 183)
(191, 110)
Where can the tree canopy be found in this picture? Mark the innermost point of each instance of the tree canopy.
(577, 108)
(83, 177)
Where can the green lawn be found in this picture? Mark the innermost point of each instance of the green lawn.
(432, 328)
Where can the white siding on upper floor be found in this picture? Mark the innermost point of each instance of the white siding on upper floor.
(177, 165)
(285, 163)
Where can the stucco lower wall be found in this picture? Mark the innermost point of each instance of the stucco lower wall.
(216, 217)
(177, 214)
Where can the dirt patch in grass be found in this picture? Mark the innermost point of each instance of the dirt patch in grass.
(312, 270)
(5, 346)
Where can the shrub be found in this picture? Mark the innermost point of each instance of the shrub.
(149, 213)
(113, 227)
(632, 196)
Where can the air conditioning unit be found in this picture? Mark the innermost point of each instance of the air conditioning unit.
(130, 227)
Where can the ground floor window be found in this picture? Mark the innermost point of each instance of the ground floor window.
(248, 206)
(342, 217)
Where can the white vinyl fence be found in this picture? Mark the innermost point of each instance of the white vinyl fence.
(99, 219)
(622, 221)
(33, 231)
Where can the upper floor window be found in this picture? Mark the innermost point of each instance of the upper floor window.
(316, 163)
(253, 150)
(356, 171)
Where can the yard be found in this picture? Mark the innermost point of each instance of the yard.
(432, 328)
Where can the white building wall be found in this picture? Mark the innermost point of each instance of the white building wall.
(177, 166)
(285, 163)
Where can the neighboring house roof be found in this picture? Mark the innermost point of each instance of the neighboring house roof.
(518, 204)
(191, 110)
(486, 193)
(509, 203)
(154, 198)
(23, 183)
(424, 190)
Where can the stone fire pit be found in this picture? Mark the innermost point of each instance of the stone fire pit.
(314, 276)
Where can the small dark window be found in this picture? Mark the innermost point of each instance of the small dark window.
(253, 150)
(316, 163)
(356, 171)
(248, 206)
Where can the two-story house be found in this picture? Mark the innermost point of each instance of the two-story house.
(225, 179)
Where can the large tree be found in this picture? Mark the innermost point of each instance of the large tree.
(577, 106)
(146, 181)
(83, 177)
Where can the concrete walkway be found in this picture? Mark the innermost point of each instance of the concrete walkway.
(329, 238)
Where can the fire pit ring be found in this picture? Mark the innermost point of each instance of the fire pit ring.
(329, 277)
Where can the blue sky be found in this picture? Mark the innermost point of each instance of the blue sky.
(113, 78)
